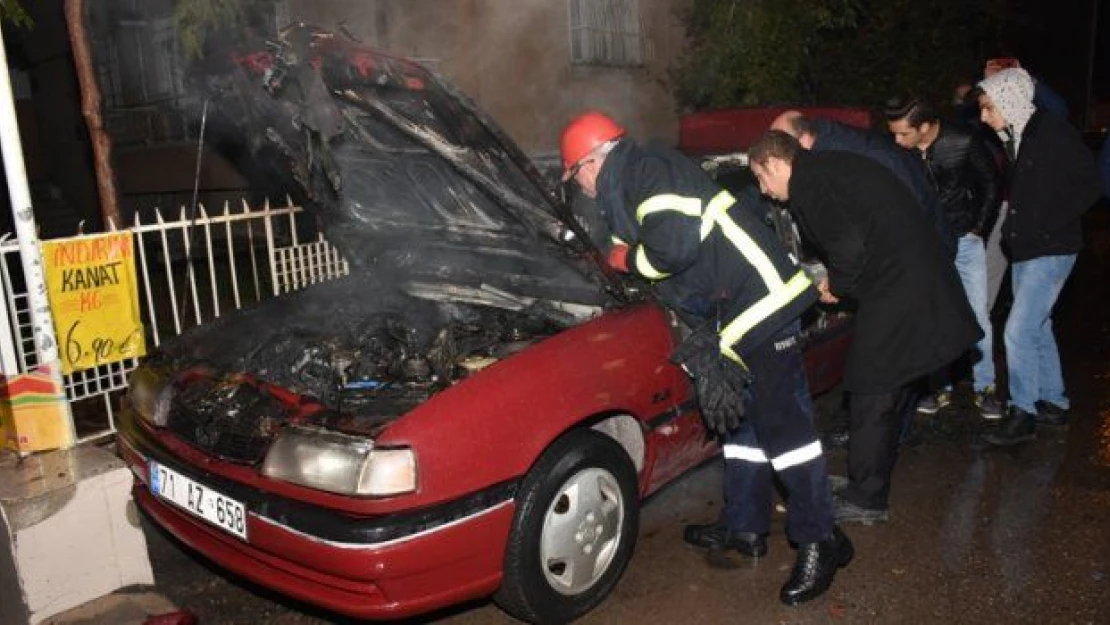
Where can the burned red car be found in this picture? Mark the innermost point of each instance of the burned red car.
(477, 410)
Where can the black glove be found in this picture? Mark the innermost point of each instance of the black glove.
(722, 384)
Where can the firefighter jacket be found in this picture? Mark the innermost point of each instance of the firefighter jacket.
(711, 255)
(966, 179)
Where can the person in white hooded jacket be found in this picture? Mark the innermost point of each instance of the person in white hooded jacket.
(1053, 181)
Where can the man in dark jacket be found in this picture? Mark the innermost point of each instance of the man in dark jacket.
(715, 261)
(821, 135)
(1053, 181)
(962, 171)
(1104, 167)
(912, 316)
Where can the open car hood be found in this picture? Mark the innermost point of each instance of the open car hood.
(405, 175)
(455, 246)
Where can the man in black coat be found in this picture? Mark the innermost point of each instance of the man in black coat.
(912, 317)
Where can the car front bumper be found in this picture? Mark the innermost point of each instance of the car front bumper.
(440, 565)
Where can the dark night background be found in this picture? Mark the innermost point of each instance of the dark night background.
(1067, 44)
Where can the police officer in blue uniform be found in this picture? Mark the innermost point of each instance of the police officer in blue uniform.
(714, 260)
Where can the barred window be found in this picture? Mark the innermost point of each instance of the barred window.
(141, 81)
(606, 32)
(141, 73)
(142, 66)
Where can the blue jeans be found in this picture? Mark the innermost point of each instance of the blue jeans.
(971, 264)
(997, 263)
(1032, 359)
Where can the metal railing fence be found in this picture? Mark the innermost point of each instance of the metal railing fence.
(191, 270)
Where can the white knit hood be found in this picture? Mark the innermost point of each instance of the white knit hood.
(1011, 90)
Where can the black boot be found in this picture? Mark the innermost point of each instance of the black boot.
(716, 536)
(836, 438)
(1018, 427)
(815, 568)
(1049, 413)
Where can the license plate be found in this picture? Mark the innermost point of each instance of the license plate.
(199, 500)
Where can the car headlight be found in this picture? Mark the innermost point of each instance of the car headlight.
(338, 463)
(149, 392)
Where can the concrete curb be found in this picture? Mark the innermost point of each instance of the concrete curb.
(119, 608)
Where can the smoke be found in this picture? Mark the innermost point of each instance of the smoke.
(405, 178)
(398, 170)
(436, 213)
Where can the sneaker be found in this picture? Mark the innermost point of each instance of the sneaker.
(847, 512)
(931, 404)
(1049, 413)
(835, 439)
(989, 406)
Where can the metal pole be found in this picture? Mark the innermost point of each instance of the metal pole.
(46, 344)
(1092, 53)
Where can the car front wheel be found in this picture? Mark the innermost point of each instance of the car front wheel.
(576, 522)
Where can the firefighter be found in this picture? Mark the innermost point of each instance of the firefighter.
(715, 262)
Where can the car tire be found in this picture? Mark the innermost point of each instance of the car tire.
(577, 517)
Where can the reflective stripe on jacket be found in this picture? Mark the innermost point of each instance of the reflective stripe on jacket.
(711, 254)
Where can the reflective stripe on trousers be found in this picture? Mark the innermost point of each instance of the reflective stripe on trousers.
(781, 462)
(778, 434)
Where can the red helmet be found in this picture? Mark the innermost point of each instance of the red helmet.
(583, 134)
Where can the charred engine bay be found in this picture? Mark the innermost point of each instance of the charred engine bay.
(323, 342)
(365, 366)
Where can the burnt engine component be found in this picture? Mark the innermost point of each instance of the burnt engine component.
(226, 418)
(368, 367)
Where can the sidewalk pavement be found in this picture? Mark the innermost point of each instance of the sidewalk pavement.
(124, 607)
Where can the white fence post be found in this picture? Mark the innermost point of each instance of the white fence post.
(270, 255)
(46, 342)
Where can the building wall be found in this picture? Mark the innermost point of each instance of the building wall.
(60, 133)
(513, 58)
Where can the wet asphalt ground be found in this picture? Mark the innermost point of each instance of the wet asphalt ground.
(976, 535)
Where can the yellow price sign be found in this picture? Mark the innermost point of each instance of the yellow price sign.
(94, 298)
